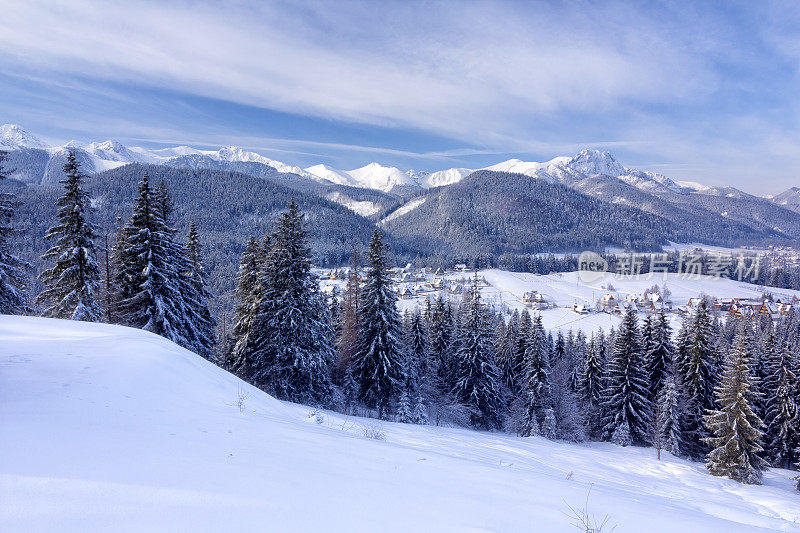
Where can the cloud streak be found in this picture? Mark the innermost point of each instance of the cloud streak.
(494, 77)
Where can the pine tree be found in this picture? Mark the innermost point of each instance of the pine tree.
(669, 423)
(248, 294)
(12, 268)
(198, 296)
(420, 412)
(549, 425)
(593, 374)
(536, 377)
(151, 273)
(293, 338)
(659, 354)
(350, 320)
(782, 414)
(735, 428)
(478, 384)
(563, 401)
(404, 410)
(71, 283)
(378, 361)
(626, 400)
(698, 370)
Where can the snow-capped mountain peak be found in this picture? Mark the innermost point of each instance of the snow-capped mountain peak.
(14, 136)
(377, 176)
(114, 151)
(596, 162)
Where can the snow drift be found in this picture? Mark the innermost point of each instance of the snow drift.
(111, 428)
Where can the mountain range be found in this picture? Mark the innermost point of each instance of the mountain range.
(390, 196)
(100, 156)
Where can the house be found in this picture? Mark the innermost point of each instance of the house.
(405, 292)
(461, 267)
(581, 309)
(624, 307)
(456, 288)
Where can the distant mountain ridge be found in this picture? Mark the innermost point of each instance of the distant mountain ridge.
(716, 215)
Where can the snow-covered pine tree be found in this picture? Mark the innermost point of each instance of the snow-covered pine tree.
(478, 384)
(420, 413)
(293, 338)
(549, 429)
(698, 376)
(593, 370)
(70, 285)
(670, 412)
(536, 377)
(12, 268)
(659, 354)
(625, 397)
(150, 272)
(378, 360)
(563, 400)
(782, 413)
(248, 294)
(404, 409)
(417, 345)
(577, 361)
(198, 296)
(505, 354)
(350, 321)
(736, 431)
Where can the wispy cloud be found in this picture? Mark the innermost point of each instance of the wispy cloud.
(665, 81)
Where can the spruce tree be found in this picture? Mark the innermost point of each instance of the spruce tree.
(293, 345)
(536, 377)
(669, 425)
(198, 296)
(12, 268)
(478, 384)
(626, 401)
(378, 360)
(71, 284)
(248, 294)
(736, 431)
(659, 353)
(151, 273)
(350, 320)
(782, 414)
(592, 384)
(697, 366)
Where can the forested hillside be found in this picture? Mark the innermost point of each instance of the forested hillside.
(226, 206)
(491, 213)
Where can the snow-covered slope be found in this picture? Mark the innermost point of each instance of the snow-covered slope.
(789, 199)
(113, 429)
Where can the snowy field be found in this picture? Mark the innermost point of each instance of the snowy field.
(106, 428)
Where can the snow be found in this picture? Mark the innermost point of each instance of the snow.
(376, 176)
(404, 209)
(13, 136)
(445, 177)
(364, 208)
(111, 428)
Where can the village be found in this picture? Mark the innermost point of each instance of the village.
(611, 297)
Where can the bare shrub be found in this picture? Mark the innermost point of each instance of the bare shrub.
(241, 399)
(374, 432)
(585, 521)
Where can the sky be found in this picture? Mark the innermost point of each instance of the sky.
(702, 91)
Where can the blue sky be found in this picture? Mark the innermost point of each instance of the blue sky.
(704, 92)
